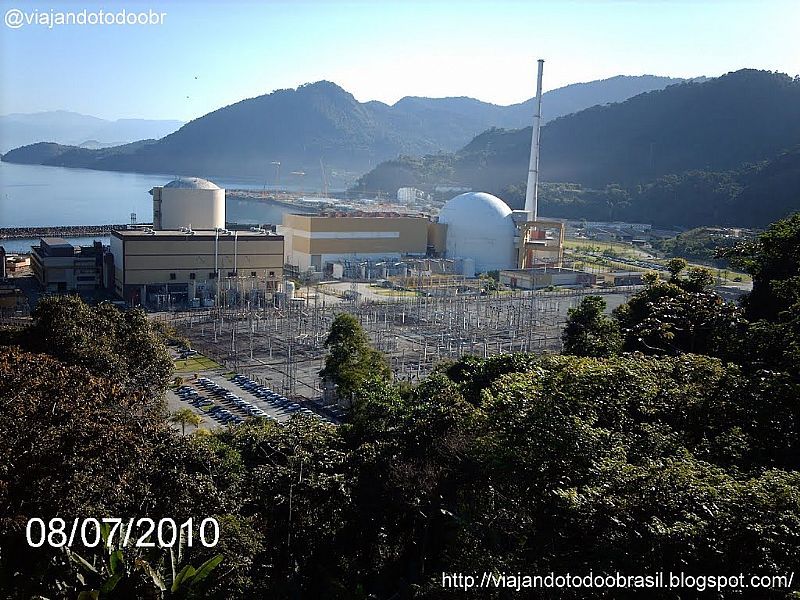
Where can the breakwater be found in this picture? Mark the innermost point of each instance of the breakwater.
(15, 233)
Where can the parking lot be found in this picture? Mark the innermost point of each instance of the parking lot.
(221, 401)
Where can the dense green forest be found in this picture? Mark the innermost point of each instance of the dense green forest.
(721, 152)
(752, 196)
(702, 244)
(664, 439)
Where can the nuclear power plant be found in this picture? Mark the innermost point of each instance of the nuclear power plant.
(188, 257)
(476, 231)
(479, 228)
(188, 254)
(192, 256)
(265, 296)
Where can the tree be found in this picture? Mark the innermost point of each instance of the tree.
(698, 279)
(773, 306)
(675, 266)
(696, 322)
(72, 444)
(184, 416)
(681, 316)
(589, 332)
(119, 345)
(773, 260)
(351, 361)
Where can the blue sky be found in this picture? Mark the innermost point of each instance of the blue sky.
(210, 54)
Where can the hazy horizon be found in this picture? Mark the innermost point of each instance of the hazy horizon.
(167, 118)
(202, 57)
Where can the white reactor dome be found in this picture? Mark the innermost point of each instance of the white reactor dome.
(188, 201)
(192, 183)
(480, 227)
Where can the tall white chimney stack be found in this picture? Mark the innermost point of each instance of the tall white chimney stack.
(532, 191)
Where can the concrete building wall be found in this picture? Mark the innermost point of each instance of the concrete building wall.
(437, 238)
(315, 240)
(175, 258)
(528, 279)
(65, 272)
(119, 263)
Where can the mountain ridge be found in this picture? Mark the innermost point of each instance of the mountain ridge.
(313, 122)
(700, 141)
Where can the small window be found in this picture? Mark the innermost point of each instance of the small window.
(231, 273)
(272, 273)
(172, 276)
(252, 273)
(212, 275)
(191, 275)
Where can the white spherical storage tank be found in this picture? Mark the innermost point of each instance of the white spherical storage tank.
(480, 227)
(191, 201)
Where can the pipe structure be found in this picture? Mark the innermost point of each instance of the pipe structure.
(235, 254)
(532, 191)
(216, 269)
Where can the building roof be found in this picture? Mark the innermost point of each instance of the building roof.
(197, 233)
(56, 242)
(360, 214)
(192, 183)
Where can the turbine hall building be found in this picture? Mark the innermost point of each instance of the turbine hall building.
(316, 241)
(186, 264)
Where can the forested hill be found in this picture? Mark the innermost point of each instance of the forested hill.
(746, 116)
(322, 122)
(719, 147)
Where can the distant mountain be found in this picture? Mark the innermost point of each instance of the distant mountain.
(684, 155)
(452, 122)
(58, 155)
(70, 128)
(580, 96)
(321, 121)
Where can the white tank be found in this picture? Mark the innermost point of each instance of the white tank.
(480, 227)
(188, 201)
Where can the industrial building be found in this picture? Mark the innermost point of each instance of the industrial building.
(188, 258)
(61, 267)
(475, 230)
(622, 278)
(410, 195)
(544, 277)
(318, 241)
(183, 266)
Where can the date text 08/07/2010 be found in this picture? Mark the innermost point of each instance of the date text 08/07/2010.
(91, 532)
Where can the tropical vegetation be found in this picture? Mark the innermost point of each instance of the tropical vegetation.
(665, 441)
